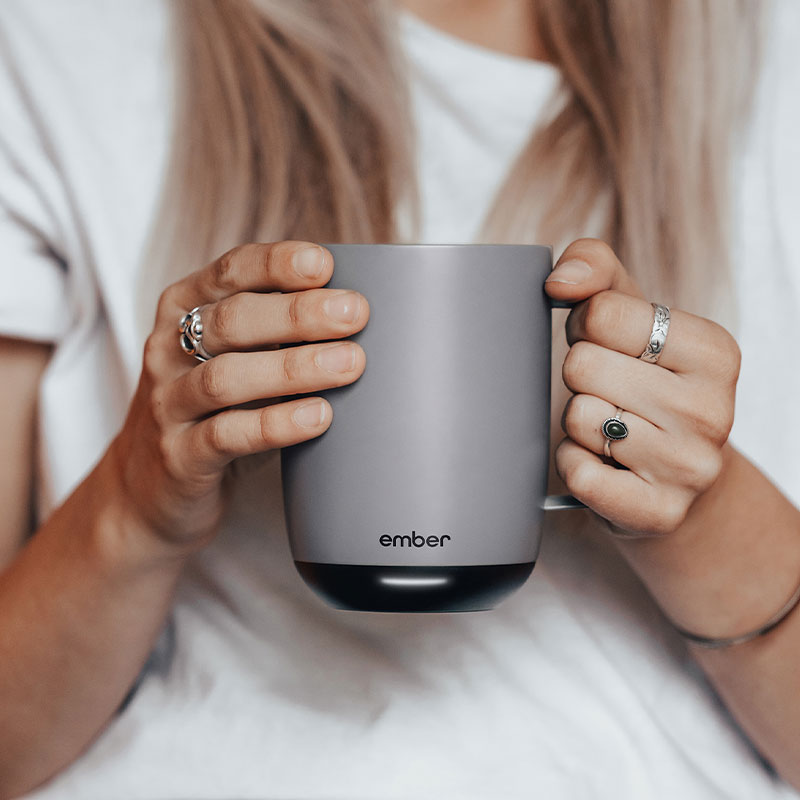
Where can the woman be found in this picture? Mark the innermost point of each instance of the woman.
(159, 533)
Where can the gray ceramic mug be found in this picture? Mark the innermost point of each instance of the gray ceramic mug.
(428, 490)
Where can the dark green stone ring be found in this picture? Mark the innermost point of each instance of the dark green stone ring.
(613, 429)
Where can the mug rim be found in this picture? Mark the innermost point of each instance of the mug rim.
(438, 245)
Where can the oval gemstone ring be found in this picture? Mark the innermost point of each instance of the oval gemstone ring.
(613, 429)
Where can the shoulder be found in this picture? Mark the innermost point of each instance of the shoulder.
(86, 88)
(770, 151)
(76, 32)
(780, 69)
(777, 96)
(80, 55)
(86, 96)
(780, 85)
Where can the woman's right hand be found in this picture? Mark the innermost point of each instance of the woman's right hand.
(183, 428)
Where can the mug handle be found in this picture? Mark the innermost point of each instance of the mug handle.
(560, 303)
(561, 502)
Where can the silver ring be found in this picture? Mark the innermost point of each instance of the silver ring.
(658, 335)
(613, 429)
(191, 328)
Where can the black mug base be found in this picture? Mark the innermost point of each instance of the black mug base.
(413, 589)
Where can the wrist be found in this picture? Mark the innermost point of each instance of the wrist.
(734, 561)
(122, 539)
(721, 642)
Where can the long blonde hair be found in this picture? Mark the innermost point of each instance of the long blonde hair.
(294, 122)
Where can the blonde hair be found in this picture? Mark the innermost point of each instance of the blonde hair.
(294, 122)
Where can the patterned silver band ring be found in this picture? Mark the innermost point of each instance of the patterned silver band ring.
(191, 328)
(613, 429)
(658, 335)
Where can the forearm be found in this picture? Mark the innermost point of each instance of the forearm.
(82, 604)
(725, 571)
(80, 609)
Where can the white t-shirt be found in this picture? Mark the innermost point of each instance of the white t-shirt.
(575, 687)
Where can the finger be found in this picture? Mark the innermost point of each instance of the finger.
(647, 450)
(216, 441)
(623, 323)
(621, 496)
(656, 395)
(247, 320)
(232, 379)
(277, 266)
(586, 267)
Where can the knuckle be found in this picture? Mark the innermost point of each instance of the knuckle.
(581, 480)
(167, 303)
(664, 515)
(226, 320)
(575, 415)
(703, 470)
(712, 418)
(268, 428)
(717, 422)
(152, 358)
(291, 366)
(225, 268)
(277, 259)
(294, 312)
(687, 404)
(214, 434)
(671, 513)
(721, 354)
(576, 364)
(213, 379)
(728, 356)
(158, 407)
(169, 456)
(604, 312)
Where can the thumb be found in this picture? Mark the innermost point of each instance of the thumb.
(586, 267)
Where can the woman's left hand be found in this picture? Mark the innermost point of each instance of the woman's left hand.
(678, 412)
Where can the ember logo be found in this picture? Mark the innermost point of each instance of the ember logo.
(412, 540)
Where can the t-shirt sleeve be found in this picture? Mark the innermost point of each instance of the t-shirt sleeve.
(34, 286)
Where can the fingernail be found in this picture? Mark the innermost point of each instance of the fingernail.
(310, 415)
(343, 307)
(309, 262)
(337, 358)
(572, 271)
